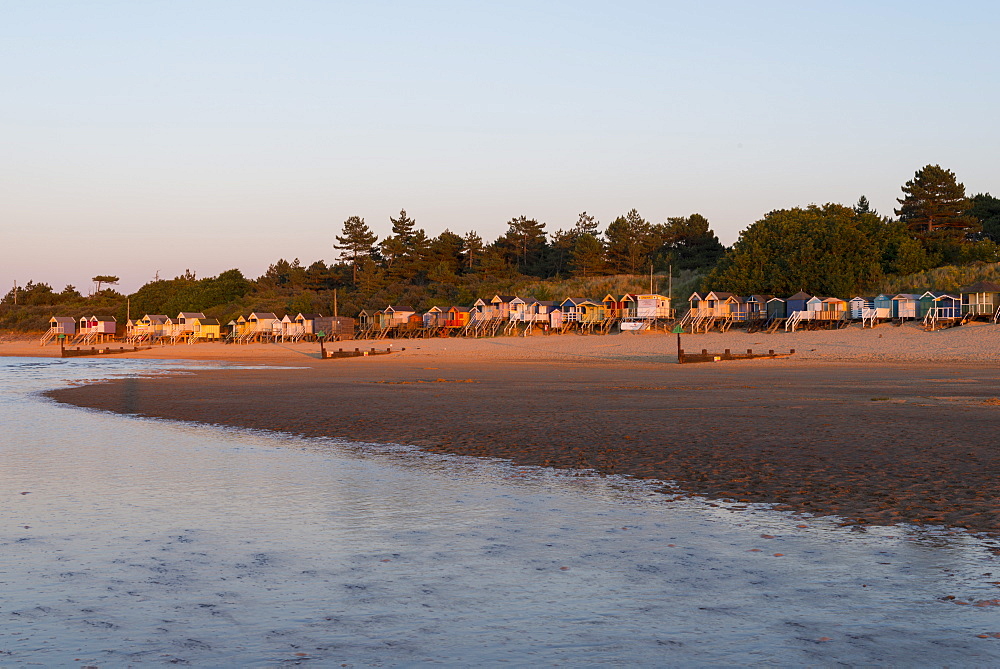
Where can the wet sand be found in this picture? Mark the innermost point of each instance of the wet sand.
(874, 443)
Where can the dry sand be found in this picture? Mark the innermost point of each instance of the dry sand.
(971, 344)
(881, 426)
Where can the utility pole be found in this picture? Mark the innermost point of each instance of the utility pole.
(15, 292)
(335, 315)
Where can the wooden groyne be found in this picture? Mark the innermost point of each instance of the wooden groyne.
(356, 353)
(93, 350)
(705, 356)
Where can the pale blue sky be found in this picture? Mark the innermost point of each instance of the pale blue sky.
(138, 137)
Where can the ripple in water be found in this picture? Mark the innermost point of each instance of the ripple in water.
(130, 541)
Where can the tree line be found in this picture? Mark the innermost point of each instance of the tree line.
(829, 249)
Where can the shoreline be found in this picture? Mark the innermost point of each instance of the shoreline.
(898, 442)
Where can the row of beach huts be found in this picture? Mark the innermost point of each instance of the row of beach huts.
(192, 327)
(511, 315)
(935, 309)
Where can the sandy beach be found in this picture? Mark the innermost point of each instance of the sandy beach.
(877, 427)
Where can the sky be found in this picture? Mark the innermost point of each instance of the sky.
(144, 138)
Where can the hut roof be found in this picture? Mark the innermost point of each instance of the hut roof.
(981, 287)
(190, 314)
(309, 317)
(800, 296)
(265, 315)
(209, 321)
(720, 295)
(62, 319)
(906, 296)
(401, 308)
(757, 298)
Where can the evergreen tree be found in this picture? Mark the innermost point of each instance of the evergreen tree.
(935, 202)
(396, 246)
(560, 251)
(630, 241)
(586, 225)
(688, 243)
(472, 249)
(864, 207)
(525, 244)
(587, 257)
(356, 242)
(986, 209)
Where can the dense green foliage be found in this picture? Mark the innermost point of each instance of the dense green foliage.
(827, 250)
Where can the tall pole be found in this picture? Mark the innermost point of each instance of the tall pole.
(670, 290)
(15, 292)
(335, 303)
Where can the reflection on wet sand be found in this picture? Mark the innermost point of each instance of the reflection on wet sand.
(159, 542)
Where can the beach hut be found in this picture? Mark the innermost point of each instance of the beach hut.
(433, 318)
(499, 306)
(592, 311)
(940, 305)
(152, 326)
(612, 305)
(570, 308)
(399, 317)
(856, 306)
(307, 323)
(289, 328)
(904, 305)
(696, 307)
(365, 319)
(981, 299)
(185, 320)
(59, 326)
(777, 308)
(457, 317)
(797, 302)
(884, 301)
(65, 325)
(518, 310)
(827, 308)
(208, 329)
(650, 306)
(756, 306)
(263, 324)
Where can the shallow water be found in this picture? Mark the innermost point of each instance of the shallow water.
(132, 541)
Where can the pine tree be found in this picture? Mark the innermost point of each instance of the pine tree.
(472, 249)
(396, 246)
(587, 256)
(864, 207)
(630, 241)
(356, 242)
(586, 225)
(525, 243)
(935, 201)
